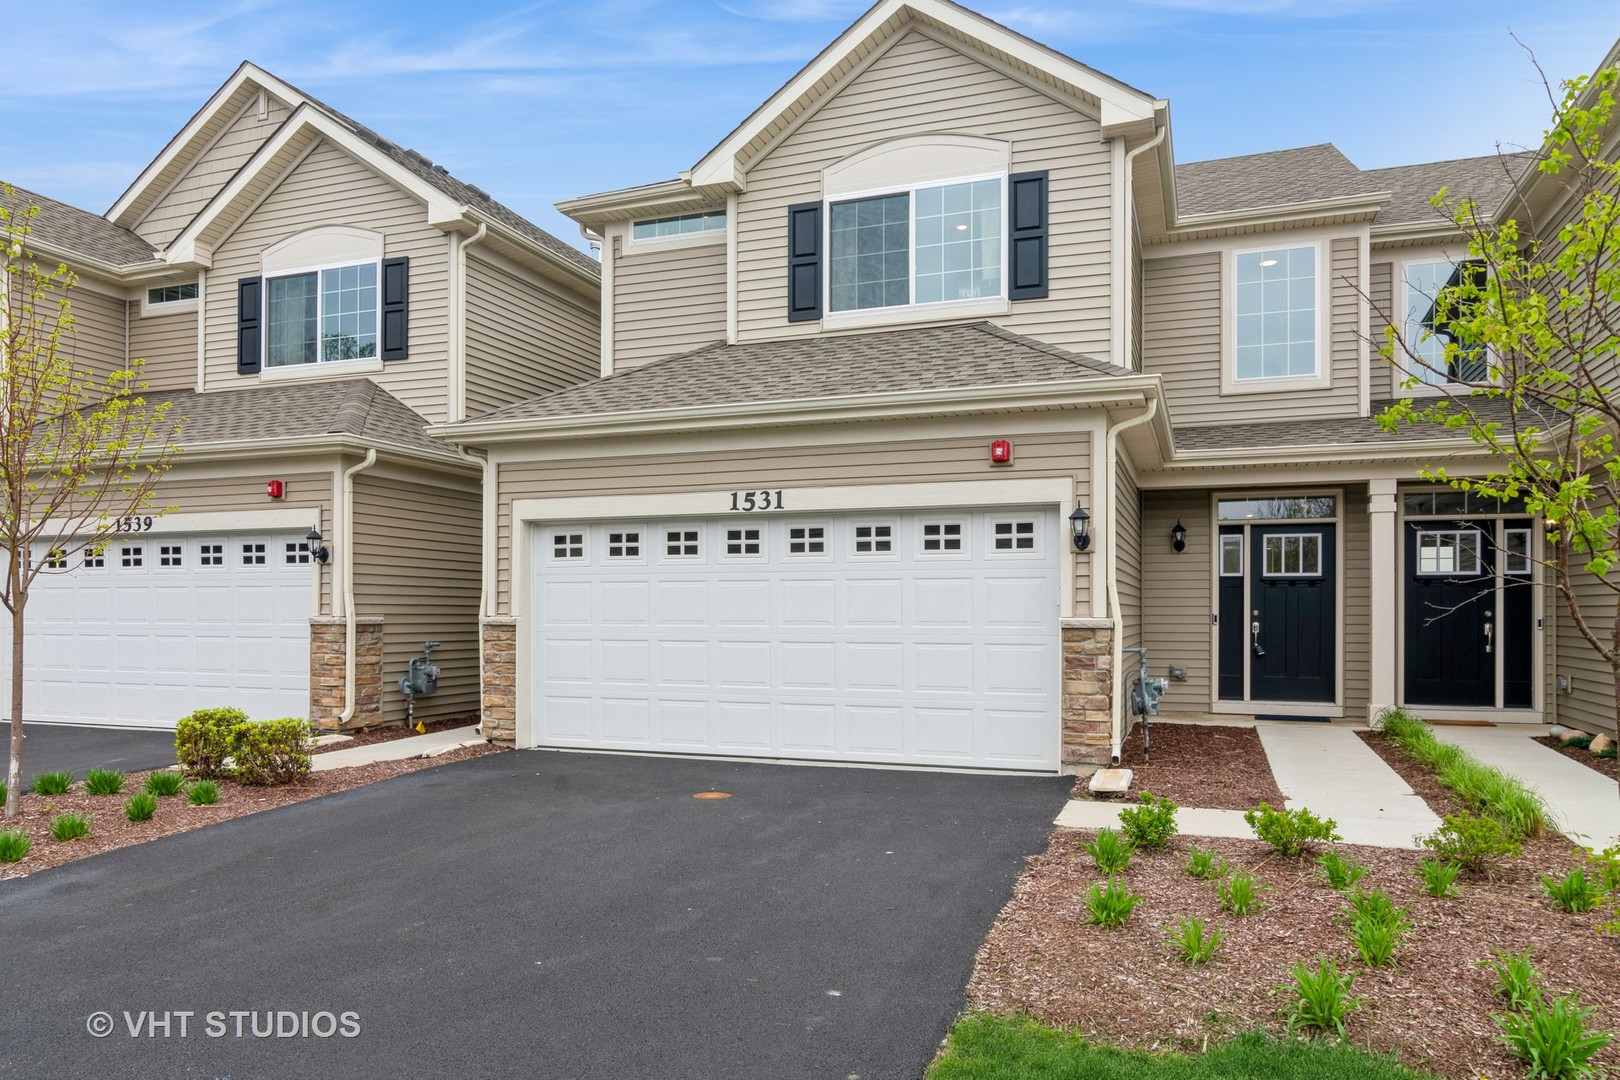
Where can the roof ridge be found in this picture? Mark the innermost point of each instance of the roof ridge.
(355, 408)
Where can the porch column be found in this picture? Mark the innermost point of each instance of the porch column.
(1384, 592)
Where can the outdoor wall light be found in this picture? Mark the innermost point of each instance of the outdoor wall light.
(1080, 521)
(320, 553)
(1178, 536)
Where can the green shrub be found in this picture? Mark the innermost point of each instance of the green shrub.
(1149, 824)
(52, 783)
(1195, 943)
(70, 826)
(1111, 854)
(1572, 892)
(104, 782)
(1606, 868)
(140, 807)
(1376, 926)
(1579, 742)
(1477, 844)
(1517, 981)
(1110, 906)
(202, 741)
(1553, 1039)
(1439, 877)
(165, 782)
(1240, 894)
(1484, 789)
(1608, 753)
(14, 844)
(1340, 872)
(271, 751)
(1291, 832)
(1323, 997)
(1205, 865)
(202, 793)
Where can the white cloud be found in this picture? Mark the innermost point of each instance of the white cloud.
(795, 10)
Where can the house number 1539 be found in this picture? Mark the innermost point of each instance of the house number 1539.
(757, 500)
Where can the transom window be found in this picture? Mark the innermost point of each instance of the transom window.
(1427, 320)
(298, 554)
(679, 225)
(1276, 313)
(1448, 551)
(624, 545)
(807, 540)
(681, 543)
(1443, 503)
(568, 546)
(1014, 535)
(1293, 555)
(253, 555)
(874, 539)
(742, 542)
(1284, 508)
(940, 536)
(322, 315)
(171, 555)
(211, 554)
(171, 294)
(927, 245)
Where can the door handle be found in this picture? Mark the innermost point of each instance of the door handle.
(1490, 629)
(1254, 635)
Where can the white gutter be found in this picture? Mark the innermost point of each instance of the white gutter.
(1111, 514)
(1123, 276)
(346, 569)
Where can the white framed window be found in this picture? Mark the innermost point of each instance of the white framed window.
(872, 538)
(131, 555)
(171, 556)
(322, 315)
(805, 541)
(624, 544)
(1516, 551)
(1232, 555)
(938, 243)
(682, 543)
(705, 225)
(211, 554)
(1448, 552)
(253, 555)
(1019, 535)
(297, 554)
(744, 543)
(567, 546)
(1425, 320)
(1292, 555)
(1276, 321)
(169, 299)
(943, 538)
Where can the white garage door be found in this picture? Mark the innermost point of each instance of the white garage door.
(153, 627)
(899, 638)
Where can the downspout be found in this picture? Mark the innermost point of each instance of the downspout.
(1111, 516)
(456, 406)
(347, 570)
(1127, 278)
(482, 463)
(486, 559)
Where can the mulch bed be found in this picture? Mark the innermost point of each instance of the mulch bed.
(1607, 766)
(390, 732)
(1203, 765)
(110, 830)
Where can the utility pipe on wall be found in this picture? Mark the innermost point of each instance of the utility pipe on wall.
(1111, 514)
(346, 568)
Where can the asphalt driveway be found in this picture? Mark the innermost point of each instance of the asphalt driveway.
(531, 914)
(48, 747)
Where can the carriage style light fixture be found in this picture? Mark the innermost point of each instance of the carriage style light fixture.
(1178, 536)
(316, 549)
(1080, 521)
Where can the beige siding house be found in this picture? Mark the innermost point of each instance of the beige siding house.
(939, 384)
(308, 297)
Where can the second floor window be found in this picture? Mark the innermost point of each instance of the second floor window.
(927, 245)
(1426, 329)
(1276, 313)
(321, 315)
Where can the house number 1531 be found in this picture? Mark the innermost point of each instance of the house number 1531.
(757, 500)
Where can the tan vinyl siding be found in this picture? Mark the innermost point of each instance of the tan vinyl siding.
(1355, 570)
(524, 338)
(98, 340)
(212, 169)
(921, 87)
(331, 188)
(1176, 596)
(416, 565)
(168, 344)
(1183, 314)
(1590, 704)
(1381, 292)
(807, 464)
(1128, 569)
(667, 302)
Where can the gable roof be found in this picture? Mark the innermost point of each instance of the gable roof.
(273, 412)
(67, 230)
(957, 357)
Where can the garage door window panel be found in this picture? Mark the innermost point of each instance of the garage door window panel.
(747, 542)
(807, 542)
(944, 539)
(870, 539)
(1015, 537)
(683, 543)
(624, 545)
(211, 555)
(131, 556)
(171, 556)
(253, 555)
(568, 546)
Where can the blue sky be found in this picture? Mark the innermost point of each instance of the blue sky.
(543, 101)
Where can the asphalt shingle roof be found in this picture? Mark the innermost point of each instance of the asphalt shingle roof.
(1276, 178)
(930, 358)
(80, 232)
(357, 407)
(1486, 180)
(1349, 430)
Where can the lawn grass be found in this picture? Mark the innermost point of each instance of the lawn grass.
(983, 1047)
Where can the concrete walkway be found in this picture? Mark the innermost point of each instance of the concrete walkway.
(1584, 803)
(1331, 772)
(432, 744)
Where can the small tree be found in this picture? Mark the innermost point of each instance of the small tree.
(1532, 320)
(80, 453)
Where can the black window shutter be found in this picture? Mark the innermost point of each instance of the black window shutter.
(804, 262)
(1026, 236)
(249, 291)
(396, 305)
